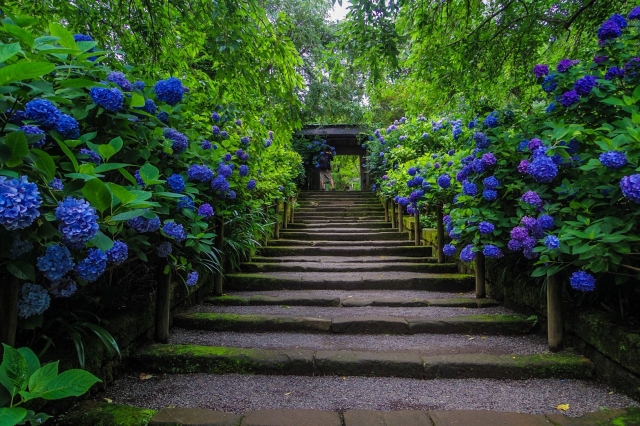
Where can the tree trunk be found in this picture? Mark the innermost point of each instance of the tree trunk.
(9, 293)
(163, 303)
(554, 314)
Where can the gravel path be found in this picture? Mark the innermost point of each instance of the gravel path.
(344, 294)
(240, 393)
(332, 312)
(434, 344)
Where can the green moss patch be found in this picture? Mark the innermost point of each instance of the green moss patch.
(93, 413)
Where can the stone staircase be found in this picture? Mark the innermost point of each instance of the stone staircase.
(342, 298)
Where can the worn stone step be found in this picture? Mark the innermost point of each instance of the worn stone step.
(350, 281)
(338, 203)
(182, 359)
(343, 236)
(341, 214)
(344, 259)
(258, 267)
(337, 243)
(331, 209)
(317, 300)
(360, 222)
(407, 251)
(302, 227)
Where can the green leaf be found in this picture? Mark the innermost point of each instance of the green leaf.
(19, 33)
(108, 167)
(128, 215)
(15, 373)
(70, 383)
(17, 143)
(116, 144)
(22, 270)
(69, 154)
(65, 37)
(24, 71)
(80, 83)
(11, 416)
(123, 194)
(613, 101)
(98, 194)
(101, 241)
(106, 151)
(41, 378)
(8, 51)
(44, 164)
(33, 363)
(149, 173)
(137, 100)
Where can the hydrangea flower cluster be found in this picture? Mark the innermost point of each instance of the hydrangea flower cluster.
(492, 251)
(552, 242)
(43, 112)
(176, 183)
(199, 173)
(542, 169)
(164, 249)
(192, 278)
(169, 91)
(179, 141)
(486, 228)
(55, 262)
(111, 99)
(220, 184)
(19, 203)
(149, 107)
(78, 220)
(444, 181)
(206, 211)
(583, 281)
(118, 253)
(449, 249)
(93, 266)
(467, 254)
(33, 300)
(532, 198)
(243, 170)
(65, 288)
(92, 156)
(630, 186)
(492, 120)
(175, 231)
(549, 84)
(541, 70)
(206, 145)
(613, 159)
(469, 188)
(40, 139)
(119, 78)
(19, 246)
(144, 225)
(225, 171)
(251, 185)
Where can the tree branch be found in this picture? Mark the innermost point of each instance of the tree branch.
(578, 13)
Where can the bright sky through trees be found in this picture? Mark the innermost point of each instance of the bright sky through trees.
(338, 12)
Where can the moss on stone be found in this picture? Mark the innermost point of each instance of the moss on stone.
(92, 413)
(630, 418)
(227, 300)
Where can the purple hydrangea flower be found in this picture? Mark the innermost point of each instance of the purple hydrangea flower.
(523, 167)
(93, 156)
(169, 91)
(532, 198)
(467, 254)
(486, 227)
(199, 173)
(489, 159)
(541, 70)
(118, 253)
(635, 13)
(583, 281)
(529, 222)
(492, 251)
(64, 288)
(585, 85)
(19, 202)
(569, 98)
(630, 186)
(449, 249)
(613, 72)
(478, 165)
(179, 141)
(93, 266)
(78, 220)
(463, 174)
(613, 159)
(206, 145)
(220, 184)
(192, 278)
(489, 194)
(164, 249)
(619, 19)
(143, 225)
(110, 99)
(481, 140)
(33, 300)
(55, 262)
(565, 64)
(251, 185)
(552, 242)
(543, 169)
(609, 30)
(119, 78)
(176, 183)
(175, 231)
(546, 222)
(206, 210)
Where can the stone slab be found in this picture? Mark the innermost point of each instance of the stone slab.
(368, 363)
(620, 417)
(255, 323)
(194, 417)
(370, 325)
(486, 418)
(390, 302)
(298, 417)
(386, 418)
(473, 324)
(295, 301)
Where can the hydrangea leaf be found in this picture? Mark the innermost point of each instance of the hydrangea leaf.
(22, 270)
(137, 100)
(17, 143)
(12, 415)
(45, 164)
(65, 37)
(14, 373)
(19, 33)
(70, 383)
(97, 193)
(101, 241)
(24, 71)
(7, 51)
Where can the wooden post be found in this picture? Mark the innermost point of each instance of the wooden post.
(163, 302)
(285, 211)
(416, 230)
(400, 222)
(393, 214)
(386, 210)
(293, 203)
(276, 232)
(218, 279)
(9, 293)
(554, 314)
(440, 234)
(481, 291)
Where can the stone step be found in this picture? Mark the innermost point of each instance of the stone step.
(343, 223)
(350, 281)
(463, 324)
(347, 302)
(407, 251)
(339, 209)
(343, 236)
(345, 259)
(341, 214)
(336, 229)
(337, 243)
(343, 203)
(184, 359)
(258, 267)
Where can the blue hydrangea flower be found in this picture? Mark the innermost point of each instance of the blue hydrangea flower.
(163, 116)
(192, 278)
(613, 159)
(175, 231)
(569, 98)
(543, 169)
(251, 185)
(179, 141)
(609, 30)
(138, 178)
(585, 85)
(149, 107)
(492, 251)
(583, 281)
(139, 85)
(118, 253)
(416, 195)
(19, 246)
(444, 181)
(549, 83)
(630, 186)
(412, 171)
(486, 227)
(55, 262)
(268, 143)
(164, 249)
(33, 300)
(169, 91)
(457, 131)
(245, 140)
(482, 142)
(144, 225)
(243, 170)
(19, 203)
(489, 159)
(93, 266)
(225, 171)
(215, 117)
(78, 220)
(467, 254)
(43, 112)
(121, 80)
(224, 134)
(492, 120)
(491, 182)
(463, 174)
(478, 165)
(39, 140)
(92, 156)
(206, 145)
(469, 188)
(614, 72)
(206, 210)
(185, 203)
(215, 130)
(176, 183)
(67, 126)
(565, 64)
(619, 19)
(199, 173)
(552, 242)
(635, 13)
(532, 198)
(231, 194)
(546, 222)
(550, 108)
(65, 288)
(489, 194)
(110, 99)
(449, 249)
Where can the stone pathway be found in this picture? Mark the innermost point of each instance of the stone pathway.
(344, 315)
